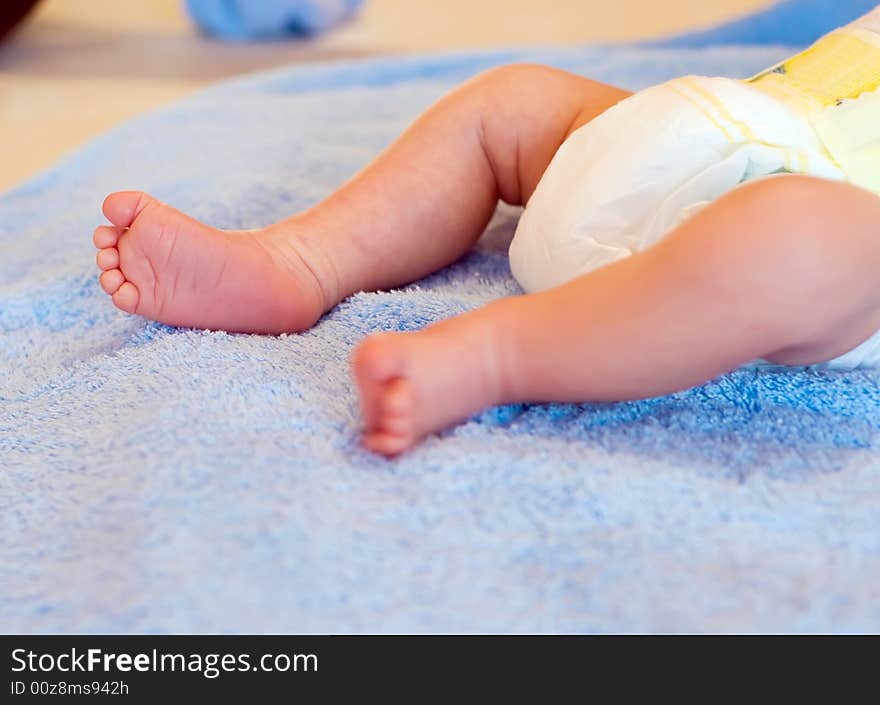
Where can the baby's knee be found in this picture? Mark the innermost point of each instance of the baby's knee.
(801, 245)
(518, 76)
(805, 223)
(776, 197)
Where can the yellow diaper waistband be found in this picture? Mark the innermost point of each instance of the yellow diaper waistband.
(842, 65)
(836, 83)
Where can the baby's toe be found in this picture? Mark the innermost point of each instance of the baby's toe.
(398, 426)
(107, 258)
(393, 432)
(107, 236)
(122, 207)
(111, 280)
(126, 297)
(397, 406)
(387, 444)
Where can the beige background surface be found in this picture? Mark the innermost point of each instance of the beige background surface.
(80, 66)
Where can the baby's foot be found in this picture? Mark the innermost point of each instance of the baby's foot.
(414, 384)
(163, 265)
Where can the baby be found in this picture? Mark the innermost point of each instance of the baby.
(644, 277)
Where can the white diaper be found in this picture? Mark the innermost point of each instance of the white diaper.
(626, 179)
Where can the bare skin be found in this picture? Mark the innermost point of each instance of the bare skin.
(741, 280)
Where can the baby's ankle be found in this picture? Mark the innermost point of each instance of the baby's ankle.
(502, 367)
(297, 246)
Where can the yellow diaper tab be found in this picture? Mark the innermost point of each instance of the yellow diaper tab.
(836, 83)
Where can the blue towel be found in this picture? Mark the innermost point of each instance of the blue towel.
(240, 20)
(155, 479)
(788, 22)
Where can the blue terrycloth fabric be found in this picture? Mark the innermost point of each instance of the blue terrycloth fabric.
(163, 480)
(787, 22)
(240, 20)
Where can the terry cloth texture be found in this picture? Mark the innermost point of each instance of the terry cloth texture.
(165, 480)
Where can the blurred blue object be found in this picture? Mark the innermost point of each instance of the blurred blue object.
(243, 20)
(795, 22)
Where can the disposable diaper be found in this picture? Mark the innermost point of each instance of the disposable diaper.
(630, 176)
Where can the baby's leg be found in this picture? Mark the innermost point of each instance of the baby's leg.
(784, 268)
(418, 207)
